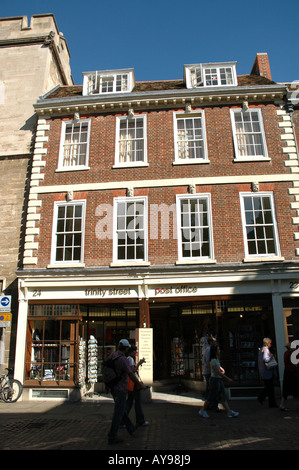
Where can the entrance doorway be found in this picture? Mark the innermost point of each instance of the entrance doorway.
(177, 332)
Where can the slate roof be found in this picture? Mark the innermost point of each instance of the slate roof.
(68, 91)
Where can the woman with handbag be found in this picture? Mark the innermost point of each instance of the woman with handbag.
(267, 374)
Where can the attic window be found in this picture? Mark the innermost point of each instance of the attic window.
(110, 81)
(215, 74)
(195, 75)
(218, 76)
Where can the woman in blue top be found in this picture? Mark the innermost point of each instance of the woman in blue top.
(216, 389)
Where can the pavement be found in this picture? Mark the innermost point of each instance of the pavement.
(174, 426)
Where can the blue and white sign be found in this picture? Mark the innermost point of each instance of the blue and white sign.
(5, 303)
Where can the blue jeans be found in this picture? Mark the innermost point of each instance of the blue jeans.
(119, 414)
(134, 396)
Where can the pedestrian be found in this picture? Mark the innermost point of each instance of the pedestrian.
(207, 372)
(207, 366)
(290, 385)
(134, 395)
(119, 391)
(216, 388)
(267, 375)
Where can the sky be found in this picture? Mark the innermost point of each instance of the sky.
(158, 37)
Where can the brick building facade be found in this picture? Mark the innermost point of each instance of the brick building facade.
(163, 212)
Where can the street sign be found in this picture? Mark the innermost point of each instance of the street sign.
(5, 320)
(5, 303)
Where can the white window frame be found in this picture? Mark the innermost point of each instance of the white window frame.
(259, 156)
(126, 119)
(203, 139)
(93, 82)
(261, 226)
(54, 245)
(196, 74)
(61, 165)
(217, 74)
(207, 198)
(116, 231)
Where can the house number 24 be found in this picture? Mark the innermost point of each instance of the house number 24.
(294, 285)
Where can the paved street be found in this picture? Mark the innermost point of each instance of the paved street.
(175, 425)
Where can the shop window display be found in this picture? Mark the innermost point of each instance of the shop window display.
(104, 326)
(239, 326)
(51, 344)
(68, 343)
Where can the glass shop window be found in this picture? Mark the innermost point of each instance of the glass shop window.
(51, 348)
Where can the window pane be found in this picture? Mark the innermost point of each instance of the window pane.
(131, 140)
(69, 233)
(260, 231)
(248, 133)
(195, 229)
(75, 144)
(130, 230)
(190, 143)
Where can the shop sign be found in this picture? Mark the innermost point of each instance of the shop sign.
(94, 292)
(5, 303)
(108, 292)
(177, 290)
(5, 320)
(144, 341)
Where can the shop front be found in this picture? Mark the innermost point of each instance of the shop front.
(239, 325)
(68, 327)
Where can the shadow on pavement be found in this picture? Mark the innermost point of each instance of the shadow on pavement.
(174, 426)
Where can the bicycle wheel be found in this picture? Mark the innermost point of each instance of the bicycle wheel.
(12, 392)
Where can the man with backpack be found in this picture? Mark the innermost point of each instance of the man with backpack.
(119, 391)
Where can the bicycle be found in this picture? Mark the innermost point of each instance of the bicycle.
(10, 389)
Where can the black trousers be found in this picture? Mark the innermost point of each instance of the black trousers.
(268, 391)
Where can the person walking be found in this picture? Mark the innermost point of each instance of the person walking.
(207, 366)
(290, 385)
(216, 388)
(267, 375)
(134, 395)
(119, 391)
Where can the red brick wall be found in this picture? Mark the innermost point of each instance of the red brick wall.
(160, 150)
(226, 218)
(225, 201)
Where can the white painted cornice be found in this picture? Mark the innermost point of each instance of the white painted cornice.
(198, 97)
(233, 179)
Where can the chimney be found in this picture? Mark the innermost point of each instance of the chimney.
(261, 65)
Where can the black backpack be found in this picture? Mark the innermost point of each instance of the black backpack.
(110, 376)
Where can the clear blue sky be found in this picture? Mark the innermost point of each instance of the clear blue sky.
(157, 37)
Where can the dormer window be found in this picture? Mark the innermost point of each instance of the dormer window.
(196, 76)
(108, 81)
(214, 74)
